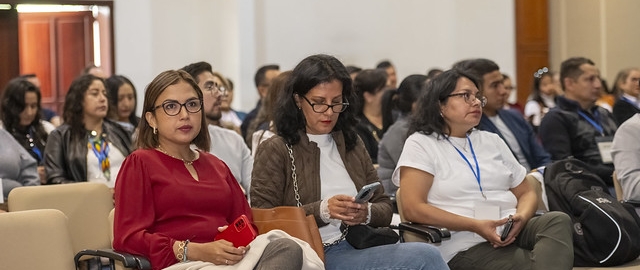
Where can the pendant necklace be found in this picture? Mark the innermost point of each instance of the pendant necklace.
(186, 162)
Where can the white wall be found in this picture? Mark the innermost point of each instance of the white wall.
(239, 36)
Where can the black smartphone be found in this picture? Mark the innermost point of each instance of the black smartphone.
(507, 228)
(366, 192)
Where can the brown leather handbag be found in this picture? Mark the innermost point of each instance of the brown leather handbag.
(291, 220)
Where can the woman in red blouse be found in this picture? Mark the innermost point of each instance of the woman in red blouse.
(171, 201)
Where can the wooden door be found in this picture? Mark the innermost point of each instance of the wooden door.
(9, 65)
(532, 43)
(56, 47)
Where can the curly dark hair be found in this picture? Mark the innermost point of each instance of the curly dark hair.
(309, 73)
(13, 103)
(113, 85)
(427, 118)
(72, 112)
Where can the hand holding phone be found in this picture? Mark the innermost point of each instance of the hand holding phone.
(240, 232)
(366, 192)
(507, 228)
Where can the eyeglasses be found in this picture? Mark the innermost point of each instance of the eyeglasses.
(321, 108)
(172, 107)
(538, 74)
(469, 98)
(214, 86)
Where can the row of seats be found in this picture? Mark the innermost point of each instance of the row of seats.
(83, 218)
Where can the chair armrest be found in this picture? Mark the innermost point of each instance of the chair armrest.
(433, 233)
(128, 260)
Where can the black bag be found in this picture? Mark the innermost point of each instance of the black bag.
(365, 236)
(605, 232)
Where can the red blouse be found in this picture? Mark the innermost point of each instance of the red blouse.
(158, 203)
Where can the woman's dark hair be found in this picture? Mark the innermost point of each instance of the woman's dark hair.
(402, 99)
(427, 118)
(309, 73)
(370, 81)
(536, 94)
(268, 106)
(113, 85)
(13, 103)
(146, 138)
(73, 112)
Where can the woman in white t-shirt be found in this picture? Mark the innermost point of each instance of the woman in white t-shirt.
(451, 175)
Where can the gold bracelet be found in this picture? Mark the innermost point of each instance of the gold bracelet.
(180, 254)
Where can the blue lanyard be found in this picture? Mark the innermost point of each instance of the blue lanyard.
(476, 172)
(592, 121)
(635, 105)
(33, 145)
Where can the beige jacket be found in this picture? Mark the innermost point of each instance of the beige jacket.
(272, 183)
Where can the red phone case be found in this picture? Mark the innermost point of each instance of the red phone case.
(240, 232)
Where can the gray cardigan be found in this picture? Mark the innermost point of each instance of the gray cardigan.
(17, 167)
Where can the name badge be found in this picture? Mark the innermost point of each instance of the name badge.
(604, 146)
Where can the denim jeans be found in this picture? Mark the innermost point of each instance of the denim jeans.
(396, 256)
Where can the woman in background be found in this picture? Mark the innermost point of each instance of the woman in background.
(88, 146)
(122, 102)
(369, 86)
(542, 99)
(262, 127)
(21, 117)
(402, 100)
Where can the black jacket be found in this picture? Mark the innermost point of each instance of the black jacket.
(565, 133)
(65, 162)
(623, 110)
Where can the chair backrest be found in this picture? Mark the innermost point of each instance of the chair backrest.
(86, 205)
(617, 187)
(407, 236)
(35, 239)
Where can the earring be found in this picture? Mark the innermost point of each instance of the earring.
(441, 115)
(155, 130)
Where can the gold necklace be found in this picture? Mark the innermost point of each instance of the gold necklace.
(186, 162)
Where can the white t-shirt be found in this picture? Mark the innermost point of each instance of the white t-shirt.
(94, 170)
(334, 180)
(229, 146)
(455, 188)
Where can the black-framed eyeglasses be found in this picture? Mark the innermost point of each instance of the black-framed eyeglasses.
(172, 107)
(470, 99)
(214, 86)
(538, 74)
(321, 107)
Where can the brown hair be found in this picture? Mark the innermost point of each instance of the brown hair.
(146, 138)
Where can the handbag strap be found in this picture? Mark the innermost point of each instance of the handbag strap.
(294, 176)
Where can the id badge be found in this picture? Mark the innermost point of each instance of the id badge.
(604, 147)
(486, 211)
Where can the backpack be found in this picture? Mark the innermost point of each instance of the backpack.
(606, 232)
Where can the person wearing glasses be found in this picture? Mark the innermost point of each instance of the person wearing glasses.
(454, 176)
(226, 144)
(509, 125)
(172, 200)
(88, 146)
(318, 162)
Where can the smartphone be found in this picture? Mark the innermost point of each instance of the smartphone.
(240, 232)
(507, 228)
(366, 192)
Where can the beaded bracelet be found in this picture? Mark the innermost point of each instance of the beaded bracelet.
(186, 243)
(180, 254)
